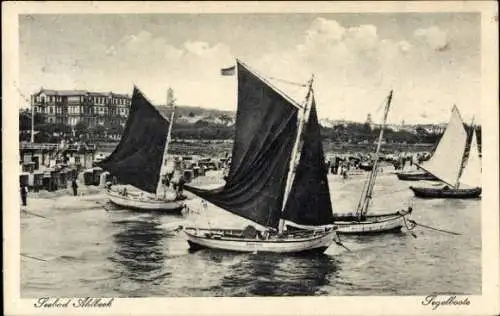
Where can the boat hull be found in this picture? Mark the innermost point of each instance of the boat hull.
(309, 242)
(371, 224)
(137, 204)
(433, 193)
(416, 176)
(366, 167)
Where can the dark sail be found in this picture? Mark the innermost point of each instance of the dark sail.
(266, 128)
(309, 202)
(138, 157)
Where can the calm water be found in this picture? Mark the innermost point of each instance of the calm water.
(93, 252)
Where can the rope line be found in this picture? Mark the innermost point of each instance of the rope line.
(433, 228)
(340, 243)
(35, 214)
(26, 256)
(289, 82)
(409, 229)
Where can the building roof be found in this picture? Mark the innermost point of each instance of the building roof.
(80, 93)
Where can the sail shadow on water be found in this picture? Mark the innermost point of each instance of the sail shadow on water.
(139, 255)
(269, 274)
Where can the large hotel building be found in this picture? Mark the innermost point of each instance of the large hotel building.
(72, 106)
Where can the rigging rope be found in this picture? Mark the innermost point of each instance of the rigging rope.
(289, 82)
(377, 111)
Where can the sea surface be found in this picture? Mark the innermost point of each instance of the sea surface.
(85, 247)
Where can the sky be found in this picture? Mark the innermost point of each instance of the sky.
(430, 60)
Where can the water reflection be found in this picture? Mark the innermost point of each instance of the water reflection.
(139, 252)
(265, 274)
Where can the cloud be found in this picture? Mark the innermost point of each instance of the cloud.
(354, 51)
(355, 67)
(204, 50)
(111, 51)
(346, 61)
(145, 45)
(153, 63)
(434, 37)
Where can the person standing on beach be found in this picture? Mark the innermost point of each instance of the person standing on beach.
(74, 186)
(180, 186)
(24, 194)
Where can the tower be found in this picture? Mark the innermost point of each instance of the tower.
(369, 120)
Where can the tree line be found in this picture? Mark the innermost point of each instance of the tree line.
(354, 133)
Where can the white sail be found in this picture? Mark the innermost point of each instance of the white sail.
(471, 175)
(446, 162)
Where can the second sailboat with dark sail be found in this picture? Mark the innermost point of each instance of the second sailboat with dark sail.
(139, 158)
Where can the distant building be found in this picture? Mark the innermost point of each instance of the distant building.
(72, 106)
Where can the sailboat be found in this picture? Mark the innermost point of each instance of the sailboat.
(140, 157)
(361, 222)
(460, 173)
(416, 175)
(277, 178)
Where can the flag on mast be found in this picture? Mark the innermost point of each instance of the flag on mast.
(230, 71)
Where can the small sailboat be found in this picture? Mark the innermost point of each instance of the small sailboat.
(460, 173)
(277, 178)
(416, 175)
(140, 157)
(362, 223)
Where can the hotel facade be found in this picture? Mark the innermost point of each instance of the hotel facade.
(70, 107)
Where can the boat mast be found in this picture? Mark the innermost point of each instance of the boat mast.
(464, 160)
(364, 201)
(295, 152)
(170, 102)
